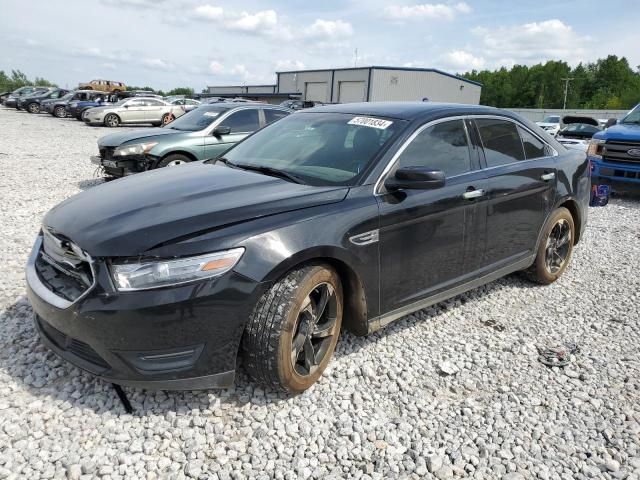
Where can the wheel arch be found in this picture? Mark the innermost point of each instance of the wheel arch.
(186, 153)
(572, 205)
(355, 316)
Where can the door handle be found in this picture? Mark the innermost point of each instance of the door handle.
(470, 195)
(548, 176)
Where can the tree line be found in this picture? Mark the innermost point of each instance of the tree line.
(608, 83)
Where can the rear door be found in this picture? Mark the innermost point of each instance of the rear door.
(153, 110)
(521, 176)
(133, 111)
(241, 122)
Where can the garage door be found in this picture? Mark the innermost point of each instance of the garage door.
(316, 91)
(351, 92)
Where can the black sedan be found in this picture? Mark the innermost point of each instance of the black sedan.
(33, 103)
(338, 217)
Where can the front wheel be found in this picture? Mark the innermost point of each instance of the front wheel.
(173, 160)
(294, 328)
(59, 112)
(111, 120)
(554, 251)
(33, 108)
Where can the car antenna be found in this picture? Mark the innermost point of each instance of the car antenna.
(123, 398)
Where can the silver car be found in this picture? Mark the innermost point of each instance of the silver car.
(134, 110)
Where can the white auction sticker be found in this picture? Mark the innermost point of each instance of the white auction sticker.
(211, 114)
(370, 122)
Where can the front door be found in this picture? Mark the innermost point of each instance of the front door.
(522, 174)
(241, 122)
(153, 110)
(427, 236)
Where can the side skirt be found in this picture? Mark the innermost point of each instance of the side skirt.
(377, 323)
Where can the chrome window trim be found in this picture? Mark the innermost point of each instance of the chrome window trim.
(230, 112)
(396, 156)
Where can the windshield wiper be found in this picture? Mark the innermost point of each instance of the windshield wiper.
(274, 172)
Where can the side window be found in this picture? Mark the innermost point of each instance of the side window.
(272, 115)
(153, 103)
(501, 141)
(533, 146)
(135, 103)
(443, 146)
(244, 121)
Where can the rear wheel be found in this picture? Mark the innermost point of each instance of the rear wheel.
(173, 160)
(111, 120)
(294, 328)
(33, 108)
(59, 112)
(167, 118)
(554, 251)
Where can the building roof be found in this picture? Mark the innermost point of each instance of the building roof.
(403, 110)
(386, 67)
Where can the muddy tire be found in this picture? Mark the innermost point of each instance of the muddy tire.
(554, 251)
(294, 328)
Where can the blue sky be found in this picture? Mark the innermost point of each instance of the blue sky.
(167, 43)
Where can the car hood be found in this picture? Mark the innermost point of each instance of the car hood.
(104, 109)
(569, 119)
(117, 139)
(132, 215)
(622, 132)
(546, 124)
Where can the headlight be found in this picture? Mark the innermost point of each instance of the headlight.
(144, 276)
(595, 148)
(135, 149)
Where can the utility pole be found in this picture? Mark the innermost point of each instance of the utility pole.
(355, 62)
(566, 90)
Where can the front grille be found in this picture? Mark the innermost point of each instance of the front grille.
(619, 152)
(71, 345)
(63, 268)
(621, 174)
(106, 153)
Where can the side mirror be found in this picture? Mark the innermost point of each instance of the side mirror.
(610, 122)
(221, 130)
(415, 178)
(126, 106)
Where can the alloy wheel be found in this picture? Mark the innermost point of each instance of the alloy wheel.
(315, 328)
(558, 246)
(175, 162)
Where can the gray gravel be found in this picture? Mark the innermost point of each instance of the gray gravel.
(452, 391)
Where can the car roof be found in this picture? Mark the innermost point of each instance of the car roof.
(405, 110)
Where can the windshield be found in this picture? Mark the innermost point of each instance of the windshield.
(552, 119)
(633, 116)
(319, 148)
(197, 119)
(67, 96)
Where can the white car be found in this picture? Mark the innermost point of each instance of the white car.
(134, 110)
(551, 124)
(577, 132)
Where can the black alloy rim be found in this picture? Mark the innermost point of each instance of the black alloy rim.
(558, 245)
(314, 330)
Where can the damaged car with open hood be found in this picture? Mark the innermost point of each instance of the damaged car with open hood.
(577, 131)
(341, 217)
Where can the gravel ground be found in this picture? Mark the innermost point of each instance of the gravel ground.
(452, 391)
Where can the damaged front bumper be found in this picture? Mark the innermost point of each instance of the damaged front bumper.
(122, 166)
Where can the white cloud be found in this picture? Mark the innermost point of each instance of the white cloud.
(237, 72)
(461, 60)
(135, 3)
(95, 52)
(257, 22)
(209, 12)
(286, 65)
(429, 11)
(328, 29)
(109, 66)
(532, 43)
(157, 64)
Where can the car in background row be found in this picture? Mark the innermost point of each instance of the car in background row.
(134, 110)
(12, 100)
(103, 86)
(551, 124)
(615, 154)
(343, 217)
(577, 132)
(206, 132)
(77, 108)
(300, 104)
(187, 104)
(57, 108)
(33, 103)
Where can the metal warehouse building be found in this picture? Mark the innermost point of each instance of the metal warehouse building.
(362, 84)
